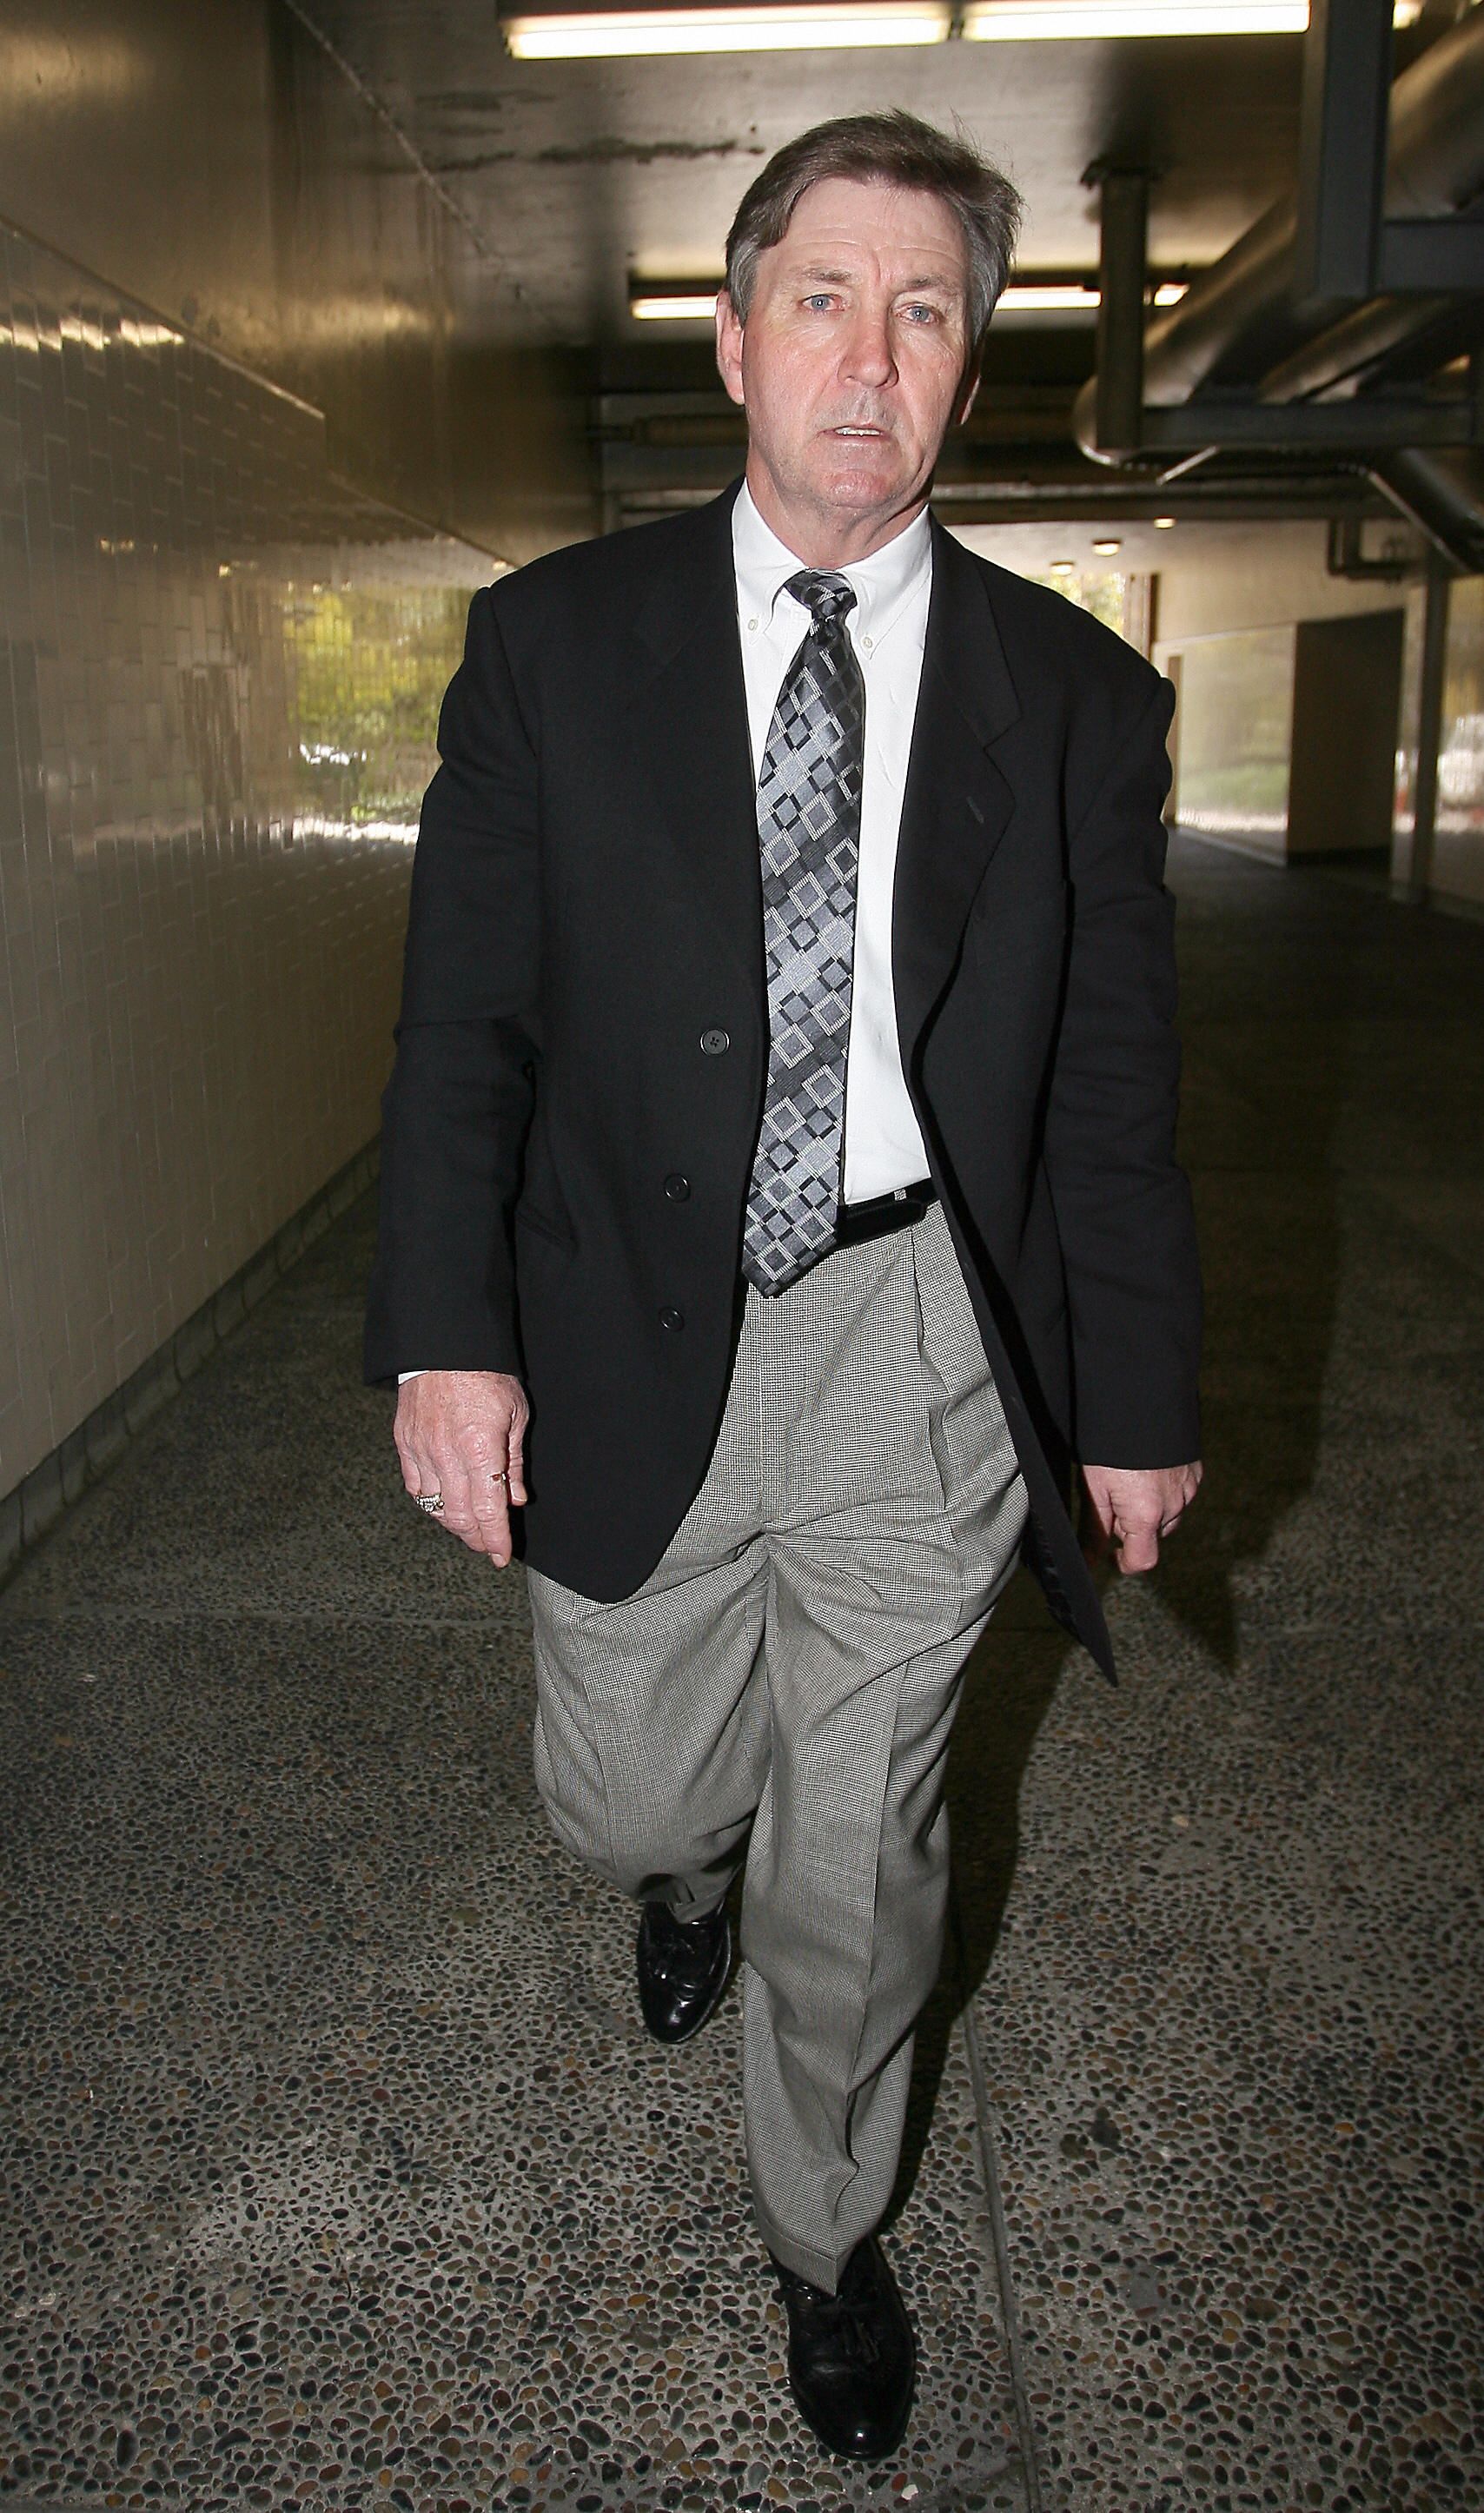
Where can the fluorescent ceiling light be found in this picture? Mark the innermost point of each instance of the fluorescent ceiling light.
(695, 301)
(1023, 22)
(597, 35)
(674, 309)
(797, 26)
(1063, 566)
(1069, 297)
(1163, 523)
(1105, 549)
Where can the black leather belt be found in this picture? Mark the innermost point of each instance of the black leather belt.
(896, 1212)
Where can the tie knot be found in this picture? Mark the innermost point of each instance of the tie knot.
(827, 597)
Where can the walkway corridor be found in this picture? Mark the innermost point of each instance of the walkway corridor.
(339, 2172)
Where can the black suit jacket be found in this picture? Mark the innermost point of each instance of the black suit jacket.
(570, 1124)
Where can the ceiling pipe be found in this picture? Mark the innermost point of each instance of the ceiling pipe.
(1443, 495)
(1360, 341)
(1237, 319)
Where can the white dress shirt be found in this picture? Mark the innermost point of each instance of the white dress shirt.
(888, 628)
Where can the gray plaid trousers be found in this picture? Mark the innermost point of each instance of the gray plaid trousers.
(780, 1691)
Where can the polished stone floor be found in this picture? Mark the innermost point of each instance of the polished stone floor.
(337, 2169)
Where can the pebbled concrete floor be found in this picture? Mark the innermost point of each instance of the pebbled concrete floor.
(337, 2171)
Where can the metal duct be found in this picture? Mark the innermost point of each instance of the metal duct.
(1237, 323)
(1443, 495)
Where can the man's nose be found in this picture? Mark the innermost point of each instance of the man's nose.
(868, 355)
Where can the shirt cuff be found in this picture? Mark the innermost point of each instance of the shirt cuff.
(403, 1376)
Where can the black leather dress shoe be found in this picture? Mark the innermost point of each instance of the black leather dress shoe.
(683, 1968)
(851, 2356)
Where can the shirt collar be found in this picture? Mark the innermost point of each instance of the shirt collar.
(883, 583)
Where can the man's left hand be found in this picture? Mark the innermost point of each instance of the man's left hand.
(1130, 1508)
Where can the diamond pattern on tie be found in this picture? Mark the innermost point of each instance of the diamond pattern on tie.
(809, 831)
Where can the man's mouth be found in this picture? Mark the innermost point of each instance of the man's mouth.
(858, 431)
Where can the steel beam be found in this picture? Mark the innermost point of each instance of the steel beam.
(1429, 732)
(1123, 274)
(1343, 122)
(1340, 427)
(1423, 256)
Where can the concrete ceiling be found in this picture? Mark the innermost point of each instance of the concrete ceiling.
(578, 174)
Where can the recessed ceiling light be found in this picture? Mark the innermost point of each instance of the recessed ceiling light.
(1163, 523)
(1063, 566)
(597, 35)
(1105, 549)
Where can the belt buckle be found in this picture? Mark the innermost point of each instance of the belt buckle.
(898, 1210)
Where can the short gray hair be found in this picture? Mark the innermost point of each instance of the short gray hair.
(883, 148)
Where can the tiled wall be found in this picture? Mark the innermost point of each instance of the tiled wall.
(218, 680)
(225, 165)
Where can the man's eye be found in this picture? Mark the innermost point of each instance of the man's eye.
(921, 313)
(819, 305)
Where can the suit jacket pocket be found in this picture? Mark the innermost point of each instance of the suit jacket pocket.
(529, 1217)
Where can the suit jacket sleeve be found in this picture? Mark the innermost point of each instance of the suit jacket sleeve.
(1122, 1204)
(458, 1107)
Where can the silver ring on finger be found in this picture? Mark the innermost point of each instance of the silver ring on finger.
(432, 1502)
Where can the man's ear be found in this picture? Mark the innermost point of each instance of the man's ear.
(728, 345)
(968, 392)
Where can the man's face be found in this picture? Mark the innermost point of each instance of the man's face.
(853, 362)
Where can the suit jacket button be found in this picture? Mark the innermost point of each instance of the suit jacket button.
(714, 1042)
(676, 1187)
(672, 1320)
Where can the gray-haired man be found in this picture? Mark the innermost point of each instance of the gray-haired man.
(781, 1136)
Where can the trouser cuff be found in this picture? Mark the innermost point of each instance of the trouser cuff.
(687, 1913)
(822, 2268)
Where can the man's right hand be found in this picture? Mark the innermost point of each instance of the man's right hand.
(461, 1433)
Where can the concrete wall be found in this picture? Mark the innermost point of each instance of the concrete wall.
(220, 165)
(1232, 601)
(1219, 576)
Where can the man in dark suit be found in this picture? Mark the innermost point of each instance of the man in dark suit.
(778, 1187)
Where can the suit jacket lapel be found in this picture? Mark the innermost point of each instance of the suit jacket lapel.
(957, 802)
(692, 736)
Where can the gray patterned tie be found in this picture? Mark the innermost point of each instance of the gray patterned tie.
(809, 827)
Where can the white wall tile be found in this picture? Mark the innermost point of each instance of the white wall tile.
(212, 746)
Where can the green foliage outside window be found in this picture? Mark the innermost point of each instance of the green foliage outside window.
(368, 669)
